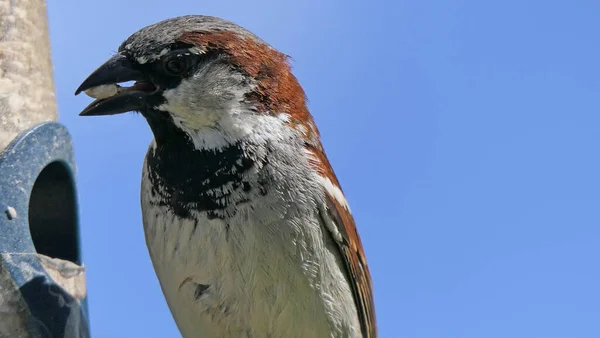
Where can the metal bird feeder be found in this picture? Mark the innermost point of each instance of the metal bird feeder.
(42, 283)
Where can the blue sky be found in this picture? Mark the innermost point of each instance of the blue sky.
(465, 134)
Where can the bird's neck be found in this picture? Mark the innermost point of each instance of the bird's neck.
(209, 173)
(185, 178)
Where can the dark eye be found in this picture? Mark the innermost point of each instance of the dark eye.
(176, 65)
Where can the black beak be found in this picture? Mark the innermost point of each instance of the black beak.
(116, 70)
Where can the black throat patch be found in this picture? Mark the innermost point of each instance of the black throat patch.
(184, 178)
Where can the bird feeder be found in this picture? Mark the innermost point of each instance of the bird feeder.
(42, 282)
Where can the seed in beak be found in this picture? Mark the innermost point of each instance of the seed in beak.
(103, 91)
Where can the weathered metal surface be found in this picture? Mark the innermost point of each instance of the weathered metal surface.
(42, 292)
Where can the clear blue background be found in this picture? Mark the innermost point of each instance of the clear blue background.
(465, 134)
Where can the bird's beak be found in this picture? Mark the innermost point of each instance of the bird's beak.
(116, 70)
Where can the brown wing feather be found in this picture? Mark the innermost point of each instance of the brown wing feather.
(356, 265)
(350, 246)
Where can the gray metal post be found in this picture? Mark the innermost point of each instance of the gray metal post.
(42, 283)
(26, 83)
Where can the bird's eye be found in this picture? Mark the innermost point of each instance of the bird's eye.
(176, 65)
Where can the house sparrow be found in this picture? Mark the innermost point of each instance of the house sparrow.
(247, 227)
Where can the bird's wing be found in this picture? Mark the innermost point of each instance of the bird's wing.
(337, 218)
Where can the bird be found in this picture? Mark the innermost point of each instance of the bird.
(247, 226)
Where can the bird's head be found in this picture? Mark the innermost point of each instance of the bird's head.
(209, 77)
(215, 84)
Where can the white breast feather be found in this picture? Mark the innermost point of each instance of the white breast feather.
(272, 269)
